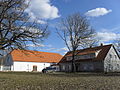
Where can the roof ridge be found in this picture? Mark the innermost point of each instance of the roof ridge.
(98, 46)
(37, 51)
(91, 48)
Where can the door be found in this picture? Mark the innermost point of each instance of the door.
(34, 68)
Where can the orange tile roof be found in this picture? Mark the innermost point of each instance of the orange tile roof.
(35, 56)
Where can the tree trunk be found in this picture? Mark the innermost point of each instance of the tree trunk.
(73, 62)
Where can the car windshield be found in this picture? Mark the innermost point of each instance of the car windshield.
(50, 68)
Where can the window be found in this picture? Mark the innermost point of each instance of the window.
(87, 56)
(69, 67)
(110, 67)
(117, 65)
(80, 57)
(6, 68)
(69, 58)
(63, 67)
(110, 55)
(92, 55)
(115, 56)
(51, 63)
(77, 57)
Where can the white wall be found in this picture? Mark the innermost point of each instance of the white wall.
(28, 66)
(112, 61)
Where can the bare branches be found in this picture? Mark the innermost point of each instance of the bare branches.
(117, 44)
(76, 32)
(15, 29)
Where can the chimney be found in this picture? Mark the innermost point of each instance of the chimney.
(101, 44)
(90, 46)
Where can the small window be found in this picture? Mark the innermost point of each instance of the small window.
(117, 65)
(80, 57)
(63, 67)
(69, 58)
(110, 56)
(115, 56)
(6, 68)
(76, 57)
(69, 67)
(110, 67)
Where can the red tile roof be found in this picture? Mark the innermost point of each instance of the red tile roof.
(35, 56)
(101, 55)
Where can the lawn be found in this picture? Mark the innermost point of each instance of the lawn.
(58, 81)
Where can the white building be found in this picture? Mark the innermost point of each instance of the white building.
(26, 60)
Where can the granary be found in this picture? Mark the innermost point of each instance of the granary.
(104, 58)
(27, 60)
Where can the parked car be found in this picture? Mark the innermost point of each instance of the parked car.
(49, 69)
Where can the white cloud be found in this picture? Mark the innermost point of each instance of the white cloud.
(33, 45)
(42, 9)
(107, 36)
(116, 28)
(97, 12)
(50, 49)
(65, 49)
(62, 49)
(31, 29)
(39, 45)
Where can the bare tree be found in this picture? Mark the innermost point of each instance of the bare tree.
(15, 28)
(117, 44)
(76, 32)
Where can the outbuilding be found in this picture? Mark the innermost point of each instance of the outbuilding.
(27, 60)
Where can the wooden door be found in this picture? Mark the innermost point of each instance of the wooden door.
(34, 68)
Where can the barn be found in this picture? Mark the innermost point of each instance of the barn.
(104, 58)
(27, 60)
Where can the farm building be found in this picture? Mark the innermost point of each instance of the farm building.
(104, 58)
(27, 60)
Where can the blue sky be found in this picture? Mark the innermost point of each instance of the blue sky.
(104, 17)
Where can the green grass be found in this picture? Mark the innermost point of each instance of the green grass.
(58, 81)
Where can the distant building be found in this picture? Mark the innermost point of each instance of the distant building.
(27, 60)
(104, 58)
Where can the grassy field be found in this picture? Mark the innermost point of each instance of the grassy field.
(58, 81)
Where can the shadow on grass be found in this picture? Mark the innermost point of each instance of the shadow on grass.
(21, 73)
(84, 74)
(66, 74)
